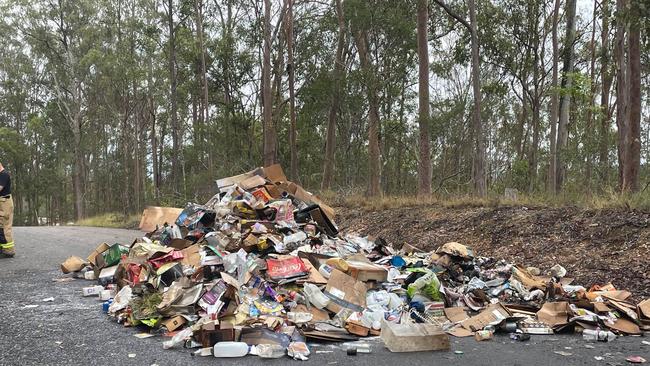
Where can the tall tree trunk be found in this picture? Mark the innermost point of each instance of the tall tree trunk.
(552, 167)
(173, 75)
(606, 76)
(479, 178)
(621, 90)
(78, 170)
(374, 158)
(567, 83)
(269, 131)
(633, 131)
(424, 166)
(292, 95)
(589, 134)
(198, 4)
(330, 143)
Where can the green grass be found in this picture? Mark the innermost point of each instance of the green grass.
(115, 220)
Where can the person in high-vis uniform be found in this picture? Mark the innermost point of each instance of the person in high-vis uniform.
(7, 249)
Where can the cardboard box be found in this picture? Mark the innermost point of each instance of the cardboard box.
(73, 264)
(153, 216)
(174, 323)
(96, 258)
(414, 337)
(367, 271)
(345, 292)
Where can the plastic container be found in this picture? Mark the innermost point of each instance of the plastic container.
(270, 351)
(598, 335)
(325, 270)
(230, 349)
(315, 296)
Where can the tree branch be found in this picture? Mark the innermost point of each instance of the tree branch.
(454, 15)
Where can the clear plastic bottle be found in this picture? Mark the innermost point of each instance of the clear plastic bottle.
(598, 335)
(230, 349)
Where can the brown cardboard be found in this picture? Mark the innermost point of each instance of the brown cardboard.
(174, 323)
(554, 313)
(153, 216)
(314, 276)
(366, 271)
(625, 326)
(493, 314)
(73, 264)
(460, 332)
(456, 315)
(191, 256)
(620, 295)
(527, 279)
(95, 258)
(236, 179)
(345, 292)
(601, 307)
(456, 249)
(413, 337)
(626, 309)
(274, 173)
(644, 309)
(252, 182)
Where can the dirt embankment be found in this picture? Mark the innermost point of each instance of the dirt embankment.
(595, 246)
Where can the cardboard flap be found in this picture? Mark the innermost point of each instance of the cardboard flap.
(153, 216)
(554, 313)
(492, 315)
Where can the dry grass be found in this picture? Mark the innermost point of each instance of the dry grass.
(609, 200)
(114, 220)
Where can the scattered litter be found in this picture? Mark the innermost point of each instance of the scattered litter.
(635, 359)
(589, 346)
(49, 299)
(261, 268)
(30, 306)
(563, 353)
(647, 343)
(132, 355)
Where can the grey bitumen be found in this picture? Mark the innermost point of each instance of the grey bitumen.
(73, 330)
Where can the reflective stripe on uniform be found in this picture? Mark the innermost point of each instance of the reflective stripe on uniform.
(7, 246)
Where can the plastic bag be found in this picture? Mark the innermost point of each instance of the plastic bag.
(121, 300)
(178, 338)
(299, 351)
(427, 285)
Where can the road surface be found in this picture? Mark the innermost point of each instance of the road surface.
(72, 330)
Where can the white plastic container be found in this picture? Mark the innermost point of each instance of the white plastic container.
(230, 349)
(315, 296)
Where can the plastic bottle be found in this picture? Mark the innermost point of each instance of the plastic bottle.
(315, 296)
(598, 335)
(230, 349)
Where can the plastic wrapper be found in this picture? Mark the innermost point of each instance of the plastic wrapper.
(298, 351)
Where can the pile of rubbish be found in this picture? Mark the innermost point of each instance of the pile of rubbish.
(261, 269)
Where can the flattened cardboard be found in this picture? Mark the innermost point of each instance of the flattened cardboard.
(314, 276)
(554, 313)
(456, 315)
(644, 309)
(625, 309)
(73, 264)
(191, 256)
(180, 244)
(252, 182)
(345, 292)
(619, 295)
(624, 326)
(456, 249)
(460, 332)
(493, 314)
(601, 307)
(274, 173)
(224, 183)
(153, 216)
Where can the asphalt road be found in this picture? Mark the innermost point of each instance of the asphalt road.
(72, 330)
